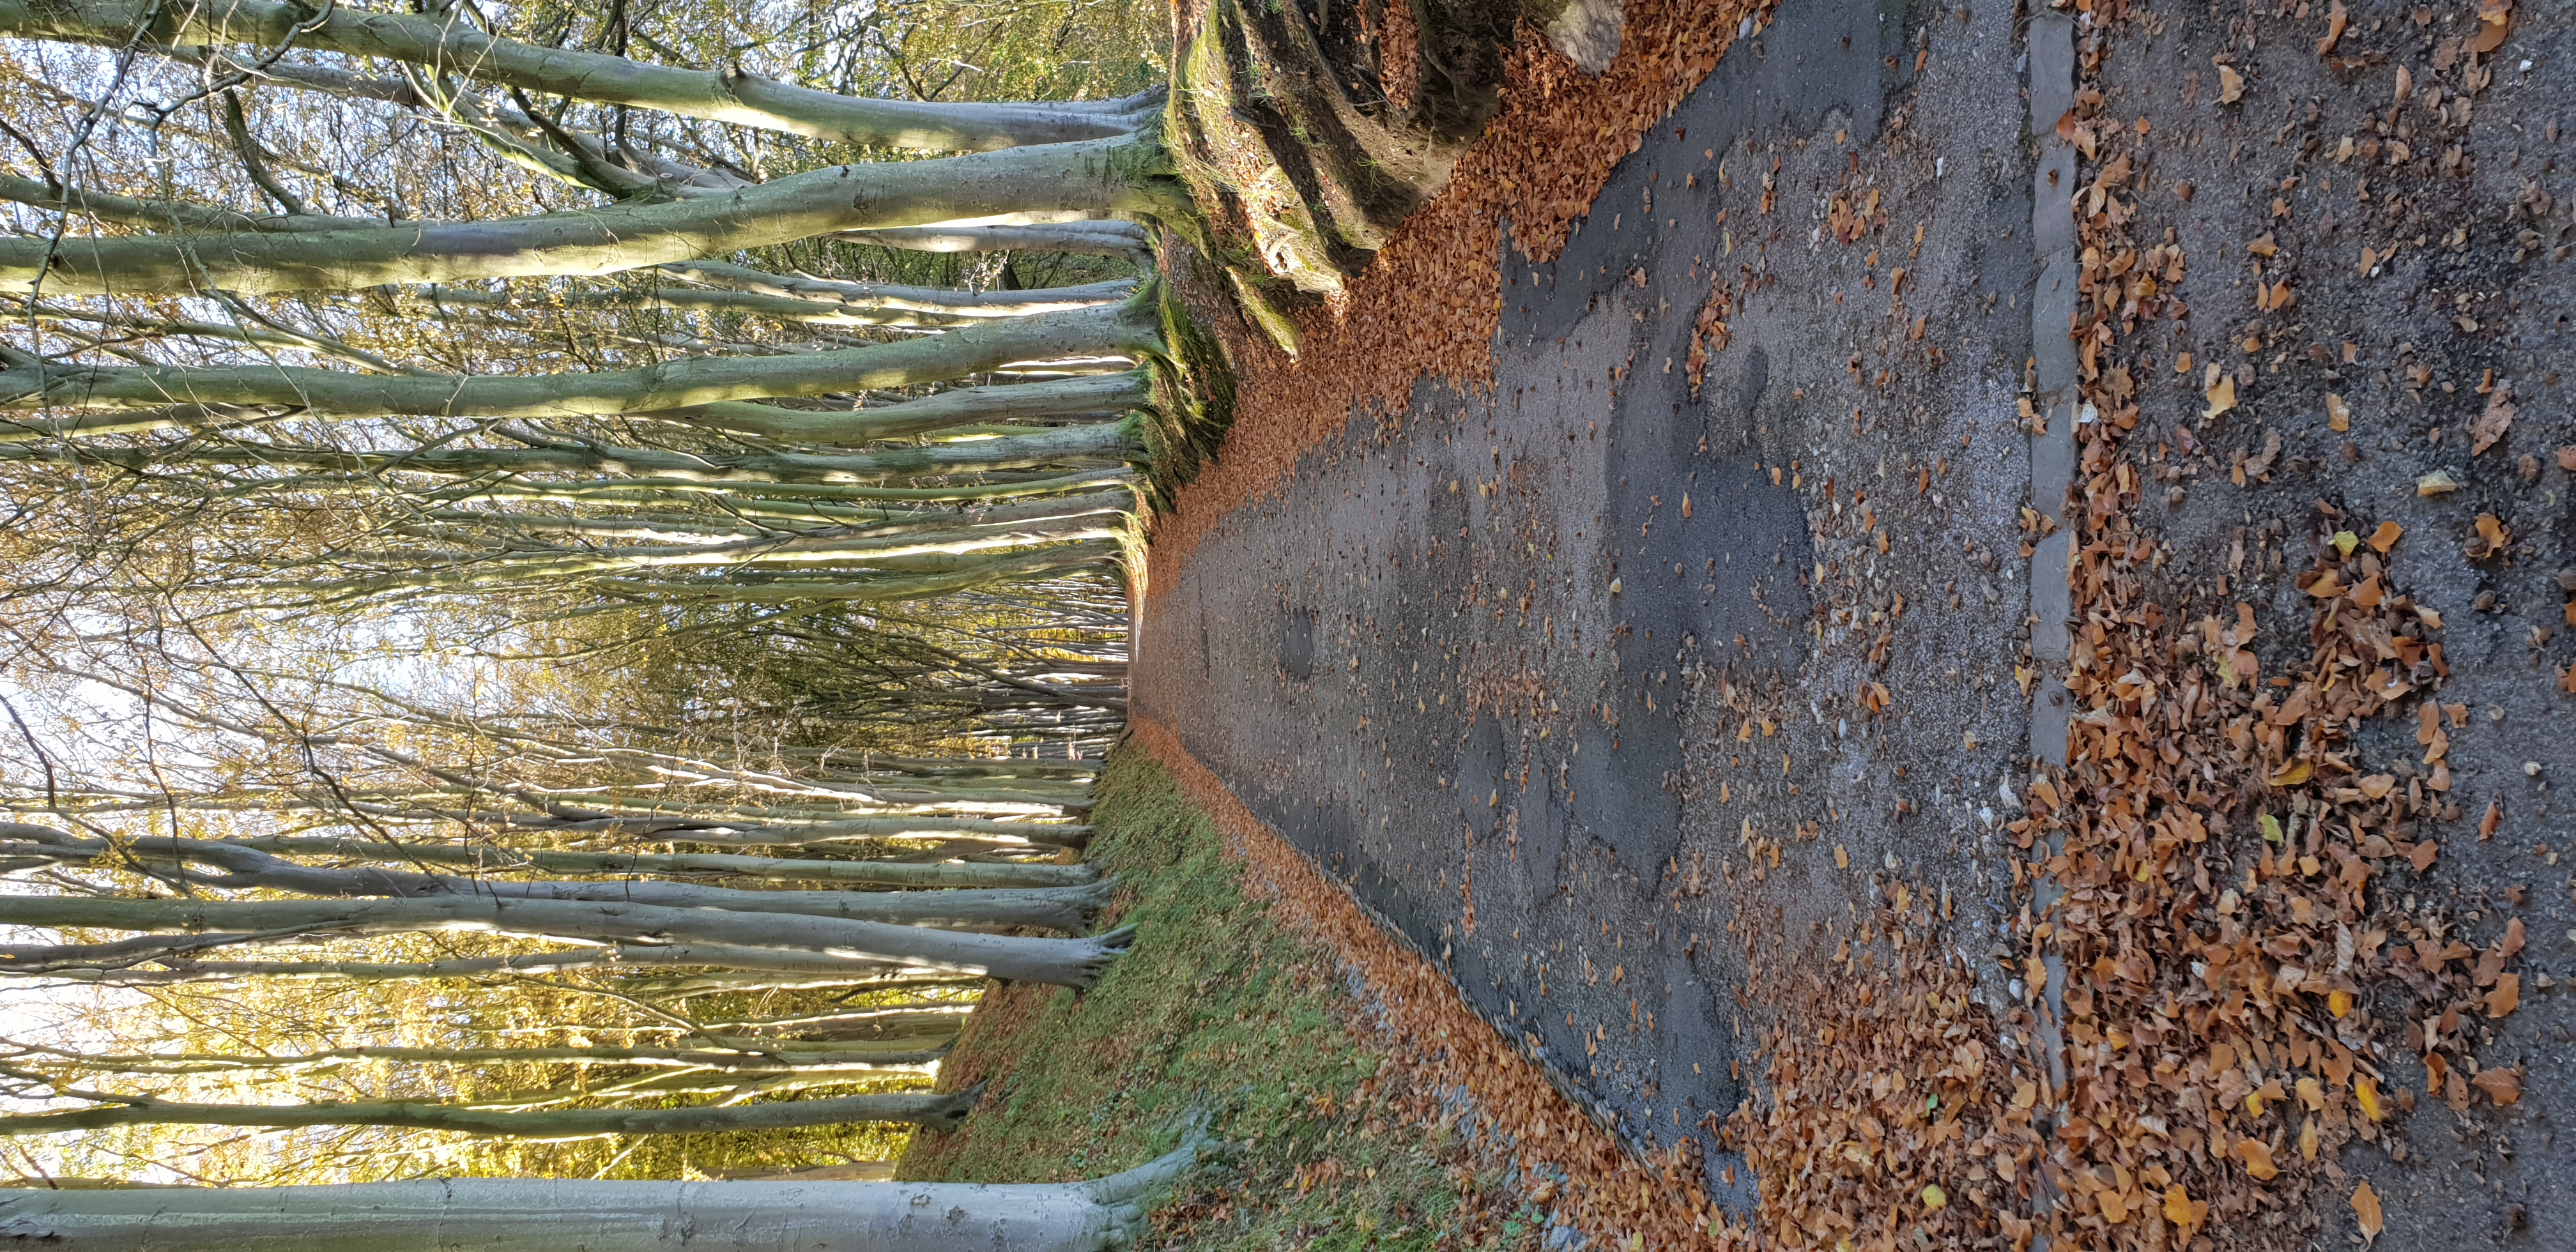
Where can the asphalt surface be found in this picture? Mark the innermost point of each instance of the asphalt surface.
(1489, 664)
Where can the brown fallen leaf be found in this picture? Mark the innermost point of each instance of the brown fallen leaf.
(2506, 997)
(2221, 395)
(2231, 85)
(2257, 1158)
(2501, 1085)
(2494, 818)
(2495, 21)
(2365, 1208)
(2335, 22)
(2183, 1211)
(2338, 414)
(2422, 857)
(2567, 458)
(2384, 538)
(2494, 422)
(2264, 246)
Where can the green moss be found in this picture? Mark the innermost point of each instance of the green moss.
(1216, 1008)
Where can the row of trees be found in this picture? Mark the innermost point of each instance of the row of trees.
(559, 591)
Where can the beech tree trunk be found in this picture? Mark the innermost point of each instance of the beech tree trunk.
(1129, 326)
(920, 1109)
(1062, 962)
(1050, 908)
(532, 1215)
(782, 869)
(1101, 175)
(450, 44)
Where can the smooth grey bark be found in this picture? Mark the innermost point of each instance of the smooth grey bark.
(1086, 238)
(1062, 962)
(779, 869)
(1050, 908)
(968, 573)
(1102, 394)
(678, 829)
(1097, 441)
(1060, 519)
(1127, 327)
(898, 306)
(530, 1215)
(1097, 175)
(760, 1056)
(944, 301)
(918, 1109)
(747, 968)
(450, 44)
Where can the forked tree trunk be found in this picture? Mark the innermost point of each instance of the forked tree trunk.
(532, 1215)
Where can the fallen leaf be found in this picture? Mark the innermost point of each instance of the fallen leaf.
(2422, 857)
(2494, 422)
(1935, 1198)
(2289, 775)
(2222, 396)
(2386, 537)
(2345, 541)
(2338, 413)
(2366, 1093)
(2506, 997)
(2258, 1159)
(2231, 85)
(2437, 483)
(2494, 818)
(2335, 22)
(2501, 1085)
(2567, 458)
(2495, 21)
(2264, 246)
(2183, 1211)
(2339, 1003)
(2365, 1207)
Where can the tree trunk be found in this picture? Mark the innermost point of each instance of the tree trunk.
(1049, 908)
(940, 301)
(751, 834)
(746, 969)
(1100, 441)
(1101, 394)
(530, 1215)
(669, 386)
(1106, 176)
(1062, 962)
(780, 869)
(774, 1054)
(922, 1109)
(450, 45)
(1090, 238)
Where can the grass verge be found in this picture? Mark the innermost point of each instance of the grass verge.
(1217, 1007)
